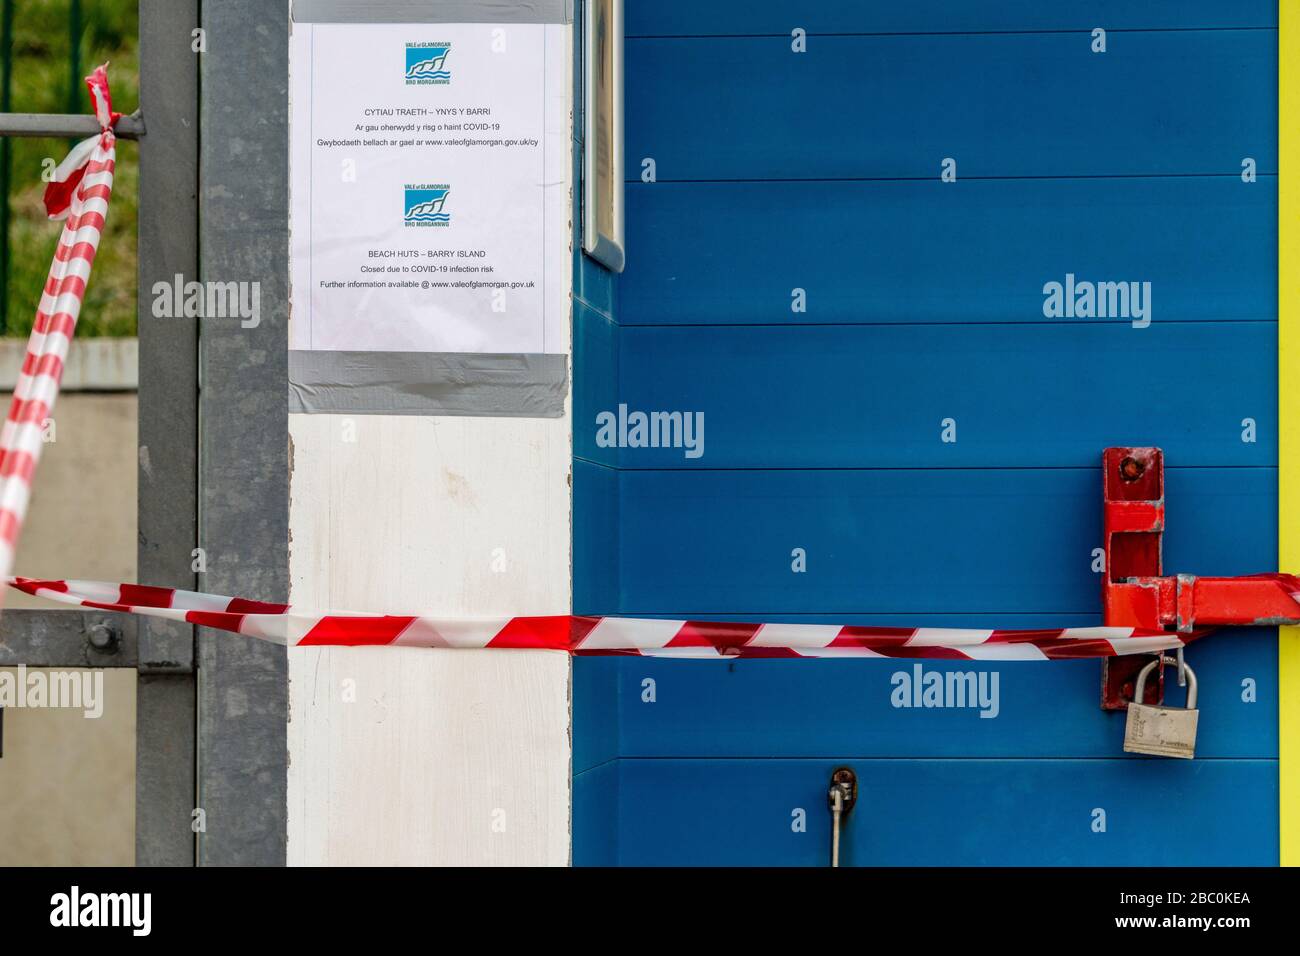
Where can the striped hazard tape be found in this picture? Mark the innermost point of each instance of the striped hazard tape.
(79, 192)
(283, 624)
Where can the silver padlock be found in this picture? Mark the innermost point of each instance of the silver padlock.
(1161, 731)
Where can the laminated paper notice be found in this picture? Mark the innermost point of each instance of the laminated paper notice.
(430, 187)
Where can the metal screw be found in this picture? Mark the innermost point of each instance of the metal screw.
(101, 636)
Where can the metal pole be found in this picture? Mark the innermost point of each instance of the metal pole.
(6, 75)
(74, 55)
(66, 125)
(841, 798)
(168, 225)
(243, 471)
(837, 813)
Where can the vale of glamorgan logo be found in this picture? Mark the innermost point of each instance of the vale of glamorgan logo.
(426, 64)
(426, 204)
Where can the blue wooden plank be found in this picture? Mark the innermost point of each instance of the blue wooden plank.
(596, 689)
(879, 396)
(595, 816)
(951, 812)
(781, 708)
(1023, 104)
(595, 377)
(754, 17)
(595, 536)
(911, 541)
(971, 251)
(593, 285)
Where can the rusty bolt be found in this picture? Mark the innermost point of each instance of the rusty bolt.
(1130, 469)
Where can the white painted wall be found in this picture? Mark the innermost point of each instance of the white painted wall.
(444, 756)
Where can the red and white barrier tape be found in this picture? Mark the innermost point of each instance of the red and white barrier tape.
(282, 624)
(81, 189)
(82, 185)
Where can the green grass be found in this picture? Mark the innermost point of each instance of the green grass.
(41, 84)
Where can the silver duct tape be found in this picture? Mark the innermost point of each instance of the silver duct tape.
(433, 11)
(424, 383)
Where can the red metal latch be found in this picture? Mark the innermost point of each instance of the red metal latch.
(1134, 593)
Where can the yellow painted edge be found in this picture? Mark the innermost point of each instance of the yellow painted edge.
(1288, 394)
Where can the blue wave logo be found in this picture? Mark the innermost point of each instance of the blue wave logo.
(427, 64)
(424, 204)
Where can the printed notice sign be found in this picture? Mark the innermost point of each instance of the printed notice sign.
(430, 178)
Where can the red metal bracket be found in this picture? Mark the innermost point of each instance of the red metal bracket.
(1134, 593)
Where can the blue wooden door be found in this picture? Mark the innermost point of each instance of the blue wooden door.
(843, 223)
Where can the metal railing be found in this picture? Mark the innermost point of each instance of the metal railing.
(74, 125)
